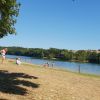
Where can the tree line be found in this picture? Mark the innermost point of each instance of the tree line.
(56, 54)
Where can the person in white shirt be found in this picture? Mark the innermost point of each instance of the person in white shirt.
(18, 62)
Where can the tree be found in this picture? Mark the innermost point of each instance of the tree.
(9, 10)
(93, 57)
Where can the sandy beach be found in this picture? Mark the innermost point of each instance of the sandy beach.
(31, 82)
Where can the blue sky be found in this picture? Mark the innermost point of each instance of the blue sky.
(60, 24)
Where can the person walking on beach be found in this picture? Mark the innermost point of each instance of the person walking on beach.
(3, 54)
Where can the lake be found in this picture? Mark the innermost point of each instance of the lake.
(88, 68)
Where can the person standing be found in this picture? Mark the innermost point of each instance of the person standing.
(3, 54)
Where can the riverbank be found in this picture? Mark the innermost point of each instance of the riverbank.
(87, 68)
(32, 82)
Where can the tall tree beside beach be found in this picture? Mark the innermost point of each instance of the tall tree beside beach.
(9, 10)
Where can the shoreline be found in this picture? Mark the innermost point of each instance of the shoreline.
(61, 69)
(55, 68)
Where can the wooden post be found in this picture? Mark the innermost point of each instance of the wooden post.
(79, 69)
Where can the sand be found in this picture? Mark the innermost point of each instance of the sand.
(32, 82)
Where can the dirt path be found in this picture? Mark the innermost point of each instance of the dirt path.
(28, 82)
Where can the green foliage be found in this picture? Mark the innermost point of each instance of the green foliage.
(94, 57)
(9, 10)
(81, 55)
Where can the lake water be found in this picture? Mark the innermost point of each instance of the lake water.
(88, 68)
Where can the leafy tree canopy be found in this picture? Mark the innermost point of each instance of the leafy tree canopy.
(9, 10)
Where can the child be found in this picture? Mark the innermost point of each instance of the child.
(18, 62)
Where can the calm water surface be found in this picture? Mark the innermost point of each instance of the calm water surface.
(88, 68)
